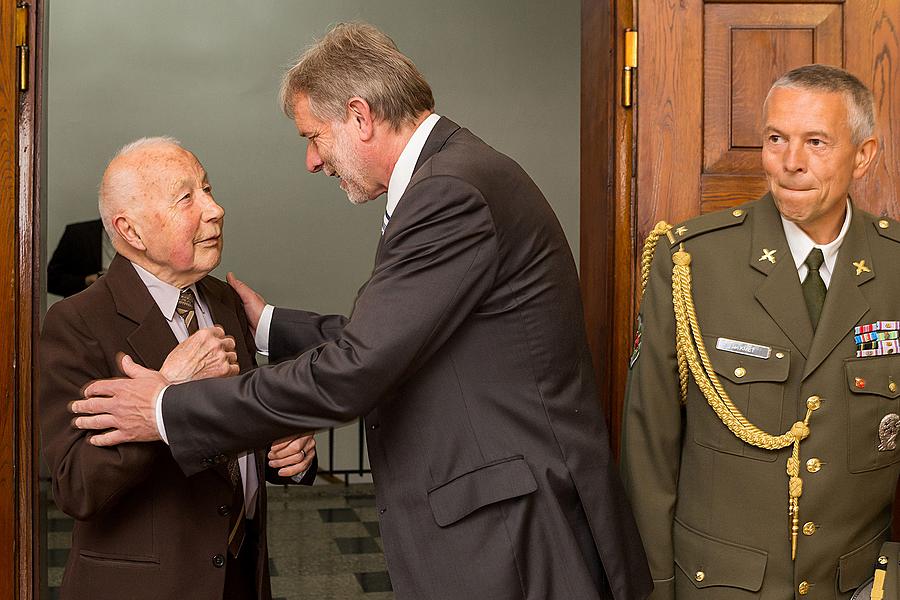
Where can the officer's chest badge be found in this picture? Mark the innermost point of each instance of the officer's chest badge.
(887, 432)
(877, 339)
(638, 330)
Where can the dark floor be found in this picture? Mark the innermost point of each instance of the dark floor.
(323, 543)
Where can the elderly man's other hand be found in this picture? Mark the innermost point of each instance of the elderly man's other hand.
(207, 353)
(125, 406)
(253, 302)
(292, 455)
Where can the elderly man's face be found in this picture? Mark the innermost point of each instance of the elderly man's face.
(333, 149)
(809, 156)
(179, 221)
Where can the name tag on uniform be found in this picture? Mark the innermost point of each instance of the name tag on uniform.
(745, 348)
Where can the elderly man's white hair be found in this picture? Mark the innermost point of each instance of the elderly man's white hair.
(117, 185)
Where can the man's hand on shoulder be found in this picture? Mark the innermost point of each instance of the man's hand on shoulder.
(123, 408)
(207, 353)
(253, 302)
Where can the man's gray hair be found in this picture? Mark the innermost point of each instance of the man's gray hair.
(116, 185)
(356, 59)
(825, 78)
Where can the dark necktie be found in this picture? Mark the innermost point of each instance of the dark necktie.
(814, 289)
(385, 221)
(236, 523)
(185, 309)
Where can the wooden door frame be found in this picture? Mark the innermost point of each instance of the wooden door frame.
(20, 176)
(607, 263)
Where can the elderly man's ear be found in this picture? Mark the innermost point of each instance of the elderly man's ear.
(127, 232)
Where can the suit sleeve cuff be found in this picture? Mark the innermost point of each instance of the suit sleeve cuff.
(262, 330)
(159, 417)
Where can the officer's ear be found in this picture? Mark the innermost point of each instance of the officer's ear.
(865, 155)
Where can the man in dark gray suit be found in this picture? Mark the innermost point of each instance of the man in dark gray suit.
(465, 352)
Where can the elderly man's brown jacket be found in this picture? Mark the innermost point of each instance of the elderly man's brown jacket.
(142, 529)
(712, 509)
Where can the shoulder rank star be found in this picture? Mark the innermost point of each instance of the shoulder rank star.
(861, 267)
(768, 255)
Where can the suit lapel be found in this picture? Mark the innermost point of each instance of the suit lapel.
(152, 339)
(845, 304)
(780, 293)
(224, 313)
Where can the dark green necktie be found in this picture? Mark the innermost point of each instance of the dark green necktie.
(814, 289)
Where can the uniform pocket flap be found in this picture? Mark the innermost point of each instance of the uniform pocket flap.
(708, 561)
(498, 480)
(880, 376)
(857, 566)
(742, 368)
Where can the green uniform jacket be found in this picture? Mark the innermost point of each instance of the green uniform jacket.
(713, 510)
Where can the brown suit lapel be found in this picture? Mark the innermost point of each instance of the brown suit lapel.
(152, 339)
(780, 293)
(845, 304)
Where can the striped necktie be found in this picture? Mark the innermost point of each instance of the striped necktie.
(385, 221)
(185, 309)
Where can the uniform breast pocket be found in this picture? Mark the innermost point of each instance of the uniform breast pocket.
(755, 386)
(873, 405)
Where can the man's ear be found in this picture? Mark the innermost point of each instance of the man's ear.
(127, 231)
(865, 156)
(360, 115)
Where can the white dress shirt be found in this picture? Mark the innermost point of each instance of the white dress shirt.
(801, 245)
(166, 297)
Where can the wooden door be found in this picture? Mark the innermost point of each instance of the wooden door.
(691, 142)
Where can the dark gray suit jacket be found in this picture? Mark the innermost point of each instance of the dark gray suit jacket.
(466, 353)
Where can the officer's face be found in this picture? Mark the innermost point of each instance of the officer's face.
(810, 158)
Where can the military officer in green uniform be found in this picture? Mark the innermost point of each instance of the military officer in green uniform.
(759, 440)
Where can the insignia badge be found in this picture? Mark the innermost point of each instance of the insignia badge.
(887, 432)
(638, 330)
(745, 348)
(861, 267)
(768, 255)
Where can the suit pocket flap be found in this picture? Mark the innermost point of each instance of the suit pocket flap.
(708, 561)
(857, 566)
(879, 376)
(741, 368)
(499, 480)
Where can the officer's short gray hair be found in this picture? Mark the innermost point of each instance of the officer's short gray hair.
(356, 59)
(825, 78)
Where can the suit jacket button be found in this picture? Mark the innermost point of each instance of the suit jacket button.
(218, 561)
(224, 510)
(373, 426)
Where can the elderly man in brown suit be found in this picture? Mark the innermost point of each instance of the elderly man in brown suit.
(143, 529)
(759, 441)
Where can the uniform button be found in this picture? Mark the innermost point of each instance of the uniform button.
(699, 576)
(884, 223)
(740, 372)
(803, 588)
(218, 561)
(381, 511)
(737, 212)
(882, 560)
(224, 510)
(813, 403)
(809, 528)
(779, 355)
(373, 426)
(892, 386)
(813, 465)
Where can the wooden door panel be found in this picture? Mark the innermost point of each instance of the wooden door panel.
(747, 47)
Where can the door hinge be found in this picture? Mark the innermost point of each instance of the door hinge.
(22, 44)
(631, 63)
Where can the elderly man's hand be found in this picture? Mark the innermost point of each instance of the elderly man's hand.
(124, 407)
(253, 302)
(292, 455)
(207, 353)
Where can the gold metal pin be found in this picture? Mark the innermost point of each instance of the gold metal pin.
(861, 267)
(768, 255)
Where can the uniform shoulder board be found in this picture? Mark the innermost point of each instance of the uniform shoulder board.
(705, 223)
(888, 228)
